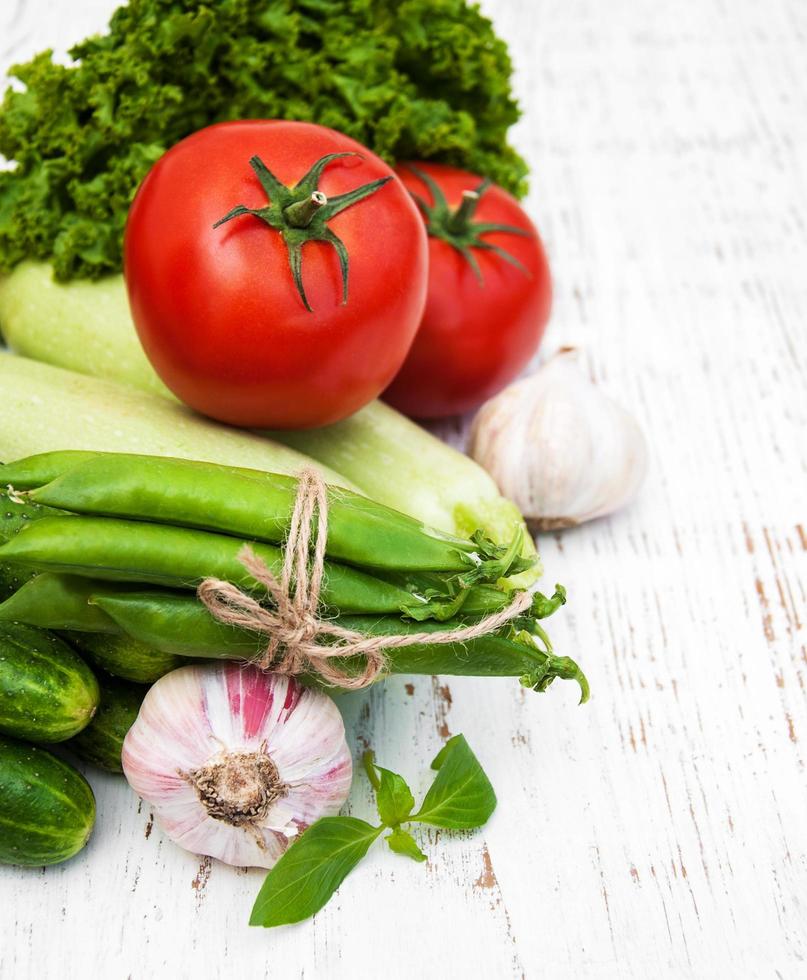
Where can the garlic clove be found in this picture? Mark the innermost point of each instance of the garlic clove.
(237, 762)
(558, 447)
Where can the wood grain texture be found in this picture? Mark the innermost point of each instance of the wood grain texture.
(660, 831)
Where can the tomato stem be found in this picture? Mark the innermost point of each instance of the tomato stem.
(301, 213)
(459, 219)
(457, 226)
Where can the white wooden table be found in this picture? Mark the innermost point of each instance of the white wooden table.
(661, 831)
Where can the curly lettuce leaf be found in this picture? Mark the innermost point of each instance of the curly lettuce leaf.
(420, 79)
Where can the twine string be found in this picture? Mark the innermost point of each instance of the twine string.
(293, 624)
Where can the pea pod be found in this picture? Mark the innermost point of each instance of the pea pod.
(131, 551)
(181, 625)
(175, 623)
(178, 623)
(13, 578)
(504, 654)
(36, 471)
(57, 602)
(17, 512)
(248, 504)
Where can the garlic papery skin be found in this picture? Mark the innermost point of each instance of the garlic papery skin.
(237, 762)
(558, 447)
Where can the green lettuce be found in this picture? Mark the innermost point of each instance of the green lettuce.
(419, 79)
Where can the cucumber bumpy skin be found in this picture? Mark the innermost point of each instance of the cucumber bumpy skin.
(47, 692)
(47, 809)
(101, 742)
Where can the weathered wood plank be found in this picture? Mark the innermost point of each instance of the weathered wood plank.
(659, 831)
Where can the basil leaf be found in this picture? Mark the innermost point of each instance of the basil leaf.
(393, 797)
(461, 796)
(311, 870)
(402, 842)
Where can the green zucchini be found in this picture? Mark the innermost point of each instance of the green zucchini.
(44, 408)
(100, 743)
(47, 809)
(125, 657)
(47, 692)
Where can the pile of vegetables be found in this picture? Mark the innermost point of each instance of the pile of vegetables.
(108, 548)
(282, 273)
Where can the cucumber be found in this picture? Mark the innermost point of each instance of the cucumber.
(125, 657)
(47, 809)
(47, 692)
(100, 743)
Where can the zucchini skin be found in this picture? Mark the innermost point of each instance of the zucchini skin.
(101, 742)
(47, 808)
(47, 692)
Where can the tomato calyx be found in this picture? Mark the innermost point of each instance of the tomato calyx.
(457, 227)
(301, 214)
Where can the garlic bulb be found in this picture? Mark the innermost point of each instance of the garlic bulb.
(237, 762)
(559, 448)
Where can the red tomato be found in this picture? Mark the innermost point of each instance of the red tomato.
(218, 309)
(484, 315)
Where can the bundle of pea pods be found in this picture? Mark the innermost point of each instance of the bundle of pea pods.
(111, 547)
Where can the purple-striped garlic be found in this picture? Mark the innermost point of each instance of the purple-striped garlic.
(237, 762)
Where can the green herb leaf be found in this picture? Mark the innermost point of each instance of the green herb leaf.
(393, 797)
(402, 842)
(461, 796)
(313, 867)
(311, 870)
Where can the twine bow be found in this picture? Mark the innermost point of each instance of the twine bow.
(293, 624)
